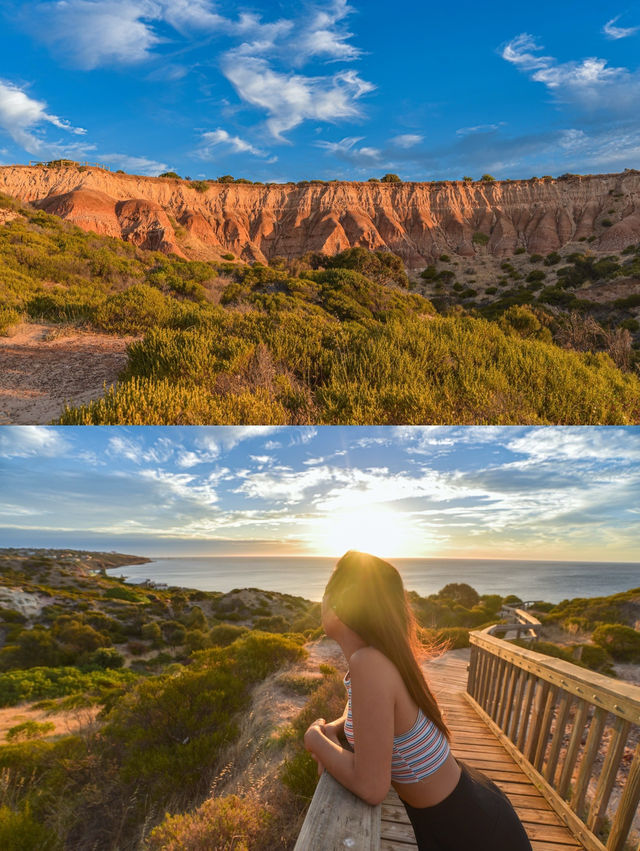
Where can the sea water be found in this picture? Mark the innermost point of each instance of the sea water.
(303, 576)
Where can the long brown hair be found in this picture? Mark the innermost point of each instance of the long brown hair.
(368, 596)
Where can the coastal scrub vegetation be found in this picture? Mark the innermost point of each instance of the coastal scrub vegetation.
(165, 726)
(336, 340)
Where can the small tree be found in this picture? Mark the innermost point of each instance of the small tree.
(488, 178)
(467, 179)
(391, 178)
(170, 174)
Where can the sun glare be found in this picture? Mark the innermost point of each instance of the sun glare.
(372, 529)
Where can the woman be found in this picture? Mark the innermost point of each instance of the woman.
(394, 724)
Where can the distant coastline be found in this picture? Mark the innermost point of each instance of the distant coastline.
(306, 576)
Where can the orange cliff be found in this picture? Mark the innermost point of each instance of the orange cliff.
(418, 221)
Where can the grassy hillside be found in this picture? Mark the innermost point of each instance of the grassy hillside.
(321, 340)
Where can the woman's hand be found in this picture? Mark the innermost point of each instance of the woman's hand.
(311, 739)
(331, 730)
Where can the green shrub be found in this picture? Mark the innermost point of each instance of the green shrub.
(120, 593)
(147, 402)
(226, 823)
(200, 185)
(29, 730)
(300, 774)
(8, 318)
(224, 634)
(621, 642)
(19, 831)
(41, 683)
(135, 310)
(596, 658)
(390, 178)
(480, 238)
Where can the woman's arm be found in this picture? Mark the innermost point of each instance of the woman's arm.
(333, 729)
(367, 771)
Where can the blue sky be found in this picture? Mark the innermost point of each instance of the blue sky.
(284, 90)
(536, 493)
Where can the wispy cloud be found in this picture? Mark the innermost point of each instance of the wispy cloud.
(213, 140)
(27, 441)
(24, 118)
(615, 33)
(261, 65)
(290, 98)
(407, 140)
(587, 83)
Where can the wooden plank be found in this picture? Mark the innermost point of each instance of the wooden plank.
(628, 806)
(579, 830)
(588, 758)
(575, 741)
(338, 819)
(608, 774)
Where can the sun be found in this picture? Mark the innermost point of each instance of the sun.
(373, 529)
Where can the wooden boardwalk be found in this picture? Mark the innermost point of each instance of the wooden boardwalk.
(476, 745)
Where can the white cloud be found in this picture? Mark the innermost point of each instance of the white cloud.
(615, 33)
(90, 34)
(21, 116)
(290, 98)
(588, 83)
(25, 441)
(137, 165)
(407, 140)
(346, 148)
(213, 139)
(321, 38)
(479, 128)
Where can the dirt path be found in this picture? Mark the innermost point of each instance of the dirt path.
(42, 367)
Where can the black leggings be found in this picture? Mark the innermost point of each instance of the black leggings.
(476, 815)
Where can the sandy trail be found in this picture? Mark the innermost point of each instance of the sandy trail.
(43, 367)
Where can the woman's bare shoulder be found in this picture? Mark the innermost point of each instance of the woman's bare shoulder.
(368, 660)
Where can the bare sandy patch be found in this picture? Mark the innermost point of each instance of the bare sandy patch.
(65, 723)
(44, 367)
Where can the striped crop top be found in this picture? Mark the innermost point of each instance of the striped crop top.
(417, 753)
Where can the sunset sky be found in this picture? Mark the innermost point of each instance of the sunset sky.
(535, 493)
(278, 90)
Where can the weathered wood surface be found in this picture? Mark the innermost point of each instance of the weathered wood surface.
(593, 792)
(337, 819)
(473, 743)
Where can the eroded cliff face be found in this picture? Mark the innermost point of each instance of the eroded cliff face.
(418, 221)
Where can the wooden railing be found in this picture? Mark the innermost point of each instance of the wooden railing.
(337, 819)
(574, 732)
(521, 624)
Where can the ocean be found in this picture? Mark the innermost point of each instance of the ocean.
(303, 576)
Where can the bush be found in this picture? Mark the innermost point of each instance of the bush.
(487, 178)
(170, 174)
(19, 831)
(480, 238)
(227, 823)
(135, 310)
(8, 317)
(390, 178)
(224, 634)
(596, 658)
(300, 774)
(622, 642)
(29, 730)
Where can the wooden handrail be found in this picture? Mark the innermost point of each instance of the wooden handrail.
(540, 708)
(338, 819)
